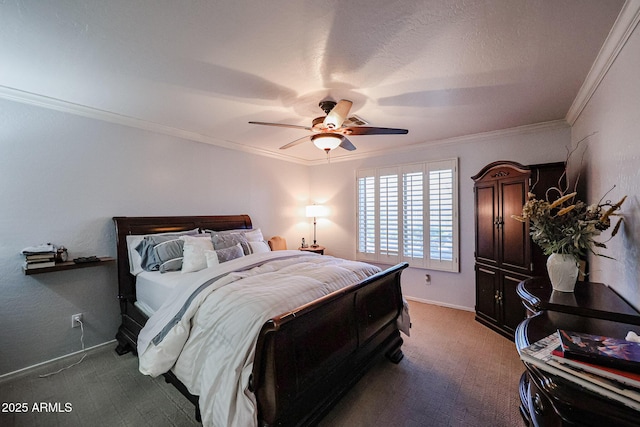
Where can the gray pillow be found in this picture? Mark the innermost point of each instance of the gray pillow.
(161, 249)
(227, 254)
(226, 240)
(169, 254)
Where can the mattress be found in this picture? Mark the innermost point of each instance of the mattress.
(153, 288)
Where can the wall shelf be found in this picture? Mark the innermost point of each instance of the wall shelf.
(70, 265)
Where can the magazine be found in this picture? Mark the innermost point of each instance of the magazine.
(601, 350)
(627, 378)
(539, 354)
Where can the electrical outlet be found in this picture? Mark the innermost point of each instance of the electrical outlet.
(75, 320)
(427, 279)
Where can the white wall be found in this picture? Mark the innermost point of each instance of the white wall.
(63, 178)
(334, 185)
(613, 158)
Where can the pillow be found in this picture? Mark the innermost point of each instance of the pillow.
(212, 258)
(222, 241)
(169, 254)
(194, 253)
(227, 254)
(150, 258)
(133, 240)
(134, 257)
(254, 235)
(259, 247)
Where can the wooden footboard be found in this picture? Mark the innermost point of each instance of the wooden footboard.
(307, 359)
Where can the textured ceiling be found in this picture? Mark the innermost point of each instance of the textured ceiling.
(203, 69)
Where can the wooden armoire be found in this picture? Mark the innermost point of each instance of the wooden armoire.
(505, 254)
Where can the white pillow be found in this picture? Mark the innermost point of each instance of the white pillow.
(212, 258)
(259, 247)
(135, 261)
(254, 235)
(193, 253)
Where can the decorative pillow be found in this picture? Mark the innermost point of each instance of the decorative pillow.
(150, 258)
(227, 254)
(169, 254)
(133, 240)
(222, 241)
(134, 257)
(212, 258)
(194, 258)
(259, 247)
(254, 235)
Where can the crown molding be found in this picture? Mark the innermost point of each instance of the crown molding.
(618, 36)
(43, 101)
(476, 137)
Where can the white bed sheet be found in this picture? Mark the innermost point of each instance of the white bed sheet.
(153, 288)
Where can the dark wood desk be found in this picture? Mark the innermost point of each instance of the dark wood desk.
(589, 299)
(549, 400)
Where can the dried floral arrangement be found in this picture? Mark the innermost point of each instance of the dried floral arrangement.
(567, 225)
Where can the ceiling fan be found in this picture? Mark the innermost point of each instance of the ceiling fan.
(329, 132)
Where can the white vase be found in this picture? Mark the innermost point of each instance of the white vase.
(563, 272)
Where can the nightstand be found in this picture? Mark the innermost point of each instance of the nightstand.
(316, 250)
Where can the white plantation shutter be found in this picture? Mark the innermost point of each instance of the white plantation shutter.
(409, 213)
(442, 216)
(413, 215)
(389, 232)
(366, 215)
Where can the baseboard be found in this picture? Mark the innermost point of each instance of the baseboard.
(25, 371)
(442, 304)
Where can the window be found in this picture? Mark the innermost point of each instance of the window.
(409, 213)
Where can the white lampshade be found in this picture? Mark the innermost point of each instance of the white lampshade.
(313, 211)
(326, 141)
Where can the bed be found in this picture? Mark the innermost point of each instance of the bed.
(303, 359)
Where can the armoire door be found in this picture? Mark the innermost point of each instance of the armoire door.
(513, 240)
(487, 247)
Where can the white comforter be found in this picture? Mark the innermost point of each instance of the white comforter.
(207, 335)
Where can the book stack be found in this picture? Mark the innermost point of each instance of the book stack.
(604, 365)
(40, 256)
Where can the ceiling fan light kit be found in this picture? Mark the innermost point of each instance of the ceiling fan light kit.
(329, 130)
(327, 141)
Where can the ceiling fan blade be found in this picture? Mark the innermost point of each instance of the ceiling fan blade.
(281, 125)
(366, 130)
(338, 114)
(294, 143)
(347, 145)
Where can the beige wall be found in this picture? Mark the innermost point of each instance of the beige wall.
(612, 157)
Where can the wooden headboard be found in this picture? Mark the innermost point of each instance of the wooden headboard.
(163, 224)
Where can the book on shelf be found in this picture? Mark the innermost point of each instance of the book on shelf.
(539, 354)
(38, 264)
(601, 350)
(45, 248)
(625, 377)
(40, 257)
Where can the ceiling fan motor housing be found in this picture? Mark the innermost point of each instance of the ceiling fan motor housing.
(327, 106)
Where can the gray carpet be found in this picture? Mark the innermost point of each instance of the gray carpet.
(455, 373)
